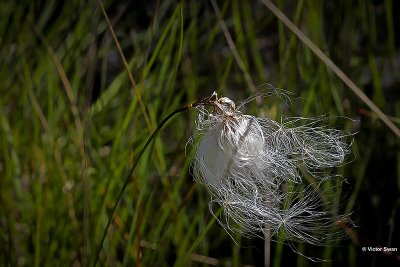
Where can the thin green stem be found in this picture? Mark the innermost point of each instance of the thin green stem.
(210, 100)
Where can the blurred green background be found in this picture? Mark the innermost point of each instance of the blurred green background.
(71, 124)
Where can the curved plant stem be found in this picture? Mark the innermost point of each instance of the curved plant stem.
(208, 101)
(128, 177)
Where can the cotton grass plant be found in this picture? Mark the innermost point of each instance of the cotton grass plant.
(254, 168)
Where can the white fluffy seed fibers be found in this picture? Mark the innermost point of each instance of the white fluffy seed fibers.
(251, 167)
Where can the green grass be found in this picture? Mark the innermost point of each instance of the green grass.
(65, 151)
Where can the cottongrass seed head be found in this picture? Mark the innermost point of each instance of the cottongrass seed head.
(254, 168)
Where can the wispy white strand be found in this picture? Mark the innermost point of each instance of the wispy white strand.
(248, 164)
